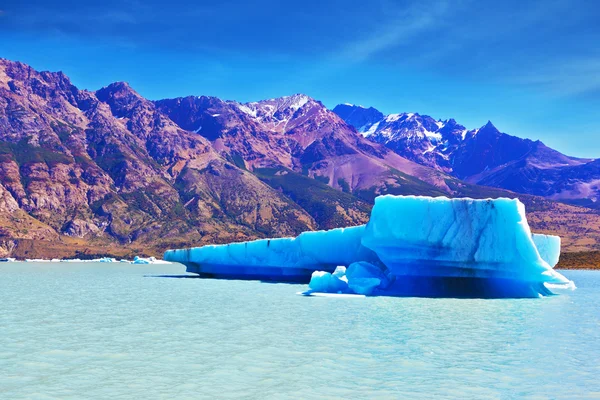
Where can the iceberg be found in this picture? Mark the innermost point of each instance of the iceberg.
(149, 260)
(283, 259)
(411, 246)
(324, 282)
(365, 278)
(549, 248)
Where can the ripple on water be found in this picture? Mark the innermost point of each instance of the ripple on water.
(98, 331)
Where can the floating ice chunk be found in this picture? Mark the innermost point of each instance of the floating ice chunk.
(412, 246)
(325, 282)
(340, 273)
(364, 278)
(284, 259)
(320, 281)
(364, 286)
(359, 278)
(423, 236)
(549, 248)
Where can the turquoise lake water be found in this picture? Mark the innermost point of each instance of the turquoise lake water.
(100, 331)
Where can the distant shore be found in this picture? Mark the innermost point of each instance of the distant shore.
(585, 260)
(579, 260)
(136, 260)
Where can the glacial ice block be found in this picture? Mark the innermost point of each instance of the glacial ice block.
(549, 248)
(423, 236)
(324, 282)
(422, 246)
(283, 259)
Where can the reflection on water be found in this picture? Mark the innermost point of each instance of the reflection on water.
(98, 331)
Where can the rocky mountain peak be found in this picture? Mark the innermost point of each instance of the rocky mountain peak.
(277, 109)
(21, 78)
(488, 128)
(117, 90)
(121, 98)
(113, 166)
(360, 117)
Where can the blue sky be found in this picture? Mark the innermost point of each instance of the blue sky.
(531, 67)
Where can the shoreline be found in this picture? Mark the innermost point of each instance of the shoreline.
(568, 265)
(584, 260)
(101, 260)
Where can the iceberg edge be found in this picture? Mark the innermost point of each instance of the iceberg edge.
(411, 246)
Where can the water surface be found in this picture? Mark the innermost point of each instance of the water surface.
(97, 331)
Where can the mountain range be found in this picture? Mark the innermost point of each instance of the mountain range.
(483, 156)
(84, 172)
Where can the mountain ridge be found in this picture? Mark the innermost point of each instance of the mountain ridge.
(86, 172)
(484, 156)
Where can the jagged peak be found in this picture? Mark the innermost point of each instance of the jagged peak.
(20, 71)
(488, 128)
(488, 125)
(193, 99)
(121, 98)
(119, 89)
(297, 97)
(4, 62)
(355, 107)
(119, 85)
(401, 116)
(292, 102)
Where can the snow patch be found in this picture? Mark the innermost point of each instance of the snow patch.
(372, 129)
(436, 136)
(430, 149)
(393, 117)
(247, 110)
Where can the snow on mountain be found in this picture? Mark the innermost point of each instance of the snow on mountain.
(277, 113)
(274, 108)
(299, 133)
(483, 156)
(360, 117)
(417, 137)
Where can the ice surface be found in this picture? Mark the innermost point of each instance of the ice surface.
(322, 281)
(549, 248)
(359, 278)
(364, 278)
(412, 245)
(424, 236)
(289, 259)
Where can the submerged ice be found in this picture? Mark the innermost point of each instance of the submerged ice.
(411, 246)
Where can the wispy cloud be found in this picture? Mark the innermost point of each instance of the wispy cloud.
(572, 77)
(538, 45)
(401, 26)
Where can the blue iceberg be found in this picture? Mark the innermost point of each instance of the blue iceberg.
(411, 246)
